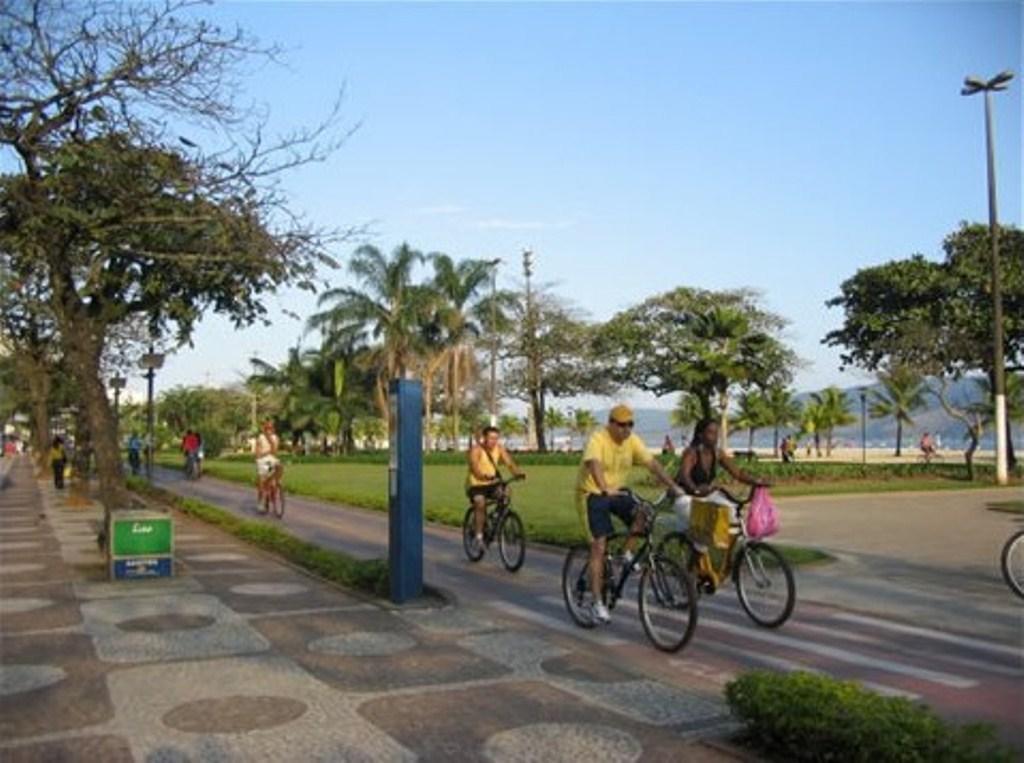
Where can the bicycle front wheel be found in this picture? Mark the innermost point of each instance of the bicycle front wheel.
(764, 584)
(278, 498)
(474, 551)
(512, 542)
(1012, 562)
(668, 604)
(576, 586)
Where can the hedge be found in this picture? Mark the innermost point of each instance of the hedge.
(810, 717)
(370, 575)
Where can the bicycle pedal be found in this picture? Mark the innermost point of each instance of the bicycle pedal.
(708, 586)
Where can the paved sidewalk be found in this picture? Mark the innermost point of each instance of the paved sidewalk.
(240, 657)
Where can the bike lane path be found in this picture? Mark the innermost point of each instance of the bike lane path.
(847, 622)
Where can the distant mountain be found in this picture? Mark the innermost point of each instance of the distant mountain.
(652, 424)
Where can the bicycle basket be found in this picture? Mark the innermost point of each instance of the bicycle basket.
(709, 523)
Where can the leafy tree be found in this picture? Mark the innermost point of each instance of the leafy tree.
(551, 354)
(902, 393)
(935, 317)
(109, 212)
(700, 342)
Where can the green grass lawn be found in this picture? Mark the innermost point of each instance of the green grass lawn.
(545, 501)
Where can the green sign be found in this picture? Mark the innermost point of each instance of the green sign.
(142, 536)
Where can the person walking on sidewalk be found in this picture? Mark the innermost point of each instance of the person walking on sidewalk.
(58, 459)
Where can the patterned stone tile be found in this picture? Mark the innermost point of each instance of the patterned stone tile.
(76, 699)
(271, 589)
(42, 607)
(228, 634)
(585, 667)
(453, 621)
(368, 651)
(132, 588)
(521, 652)
(527, 720)
(40, 568)
(85, 749)
(251, 709)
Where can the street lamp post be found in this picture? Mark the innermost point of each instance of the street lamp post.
(117, 383)
(974, 85)
(494, 340)
(863, 426)
(151, 361)
(529, 327)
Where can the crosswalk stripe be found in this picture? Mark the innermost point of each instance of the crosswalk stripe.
(877, 640)
(915, 630)
(835, 653)
(791, 666)
(843, 655)
(556, 624)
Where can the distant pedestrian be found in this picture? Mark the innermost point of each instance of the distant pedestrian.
(788, 449)
(58, 460)
(668, 448)
(135, 453)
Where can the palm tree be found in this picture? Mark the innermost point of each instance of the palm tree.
(459, 288)
(687, 412)
(583, 422)
(811, 424)
(727, 349)
(902, 393)
(751, 414)
(387, 308)
(510, 425)
(833, 411)
(554, 420)
(783, 410)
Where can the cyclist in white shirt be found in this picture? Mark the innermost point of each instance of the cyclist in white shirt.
(268, 466)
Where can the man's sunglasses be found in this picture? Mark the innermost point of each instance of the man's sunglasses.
(627, 424)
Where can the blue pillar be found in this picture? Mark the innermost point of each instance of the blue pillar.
(405, 491)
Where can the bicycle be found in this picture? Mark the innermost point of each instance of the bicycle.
(1012, 562)
(270, 495)
(757, 569)
(191, 467)
(502, 523)
(666, 596)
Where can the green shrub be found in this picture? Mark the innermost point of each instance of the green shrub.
(808, 717)
(369, 575)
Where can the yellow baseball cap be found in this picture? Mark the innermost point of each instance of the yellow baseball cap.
(621, 414)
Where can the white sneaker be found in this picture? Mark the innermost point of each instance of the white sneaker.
(601, 613)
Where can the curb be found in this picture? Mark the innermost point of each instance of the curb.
(446, 598)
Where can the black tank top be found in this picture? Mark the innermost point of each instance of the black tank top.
(698, 475)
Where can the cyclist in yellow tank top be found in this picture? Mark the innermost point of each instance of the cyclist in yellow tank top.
(484, 457)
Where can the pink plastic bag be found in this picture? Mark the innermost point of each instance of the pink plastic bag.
(763, 518)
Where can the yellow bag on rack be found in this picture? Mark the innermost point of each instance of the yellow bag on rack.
(709, 523)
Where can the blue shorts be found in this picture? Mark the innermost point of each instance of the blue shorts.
(600, 509)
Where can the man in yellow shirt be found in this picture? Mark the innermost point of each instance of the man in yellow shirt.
(481, 482)
(610, 454)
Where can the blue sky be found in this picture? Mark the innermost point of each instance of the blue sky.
(638, 147)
